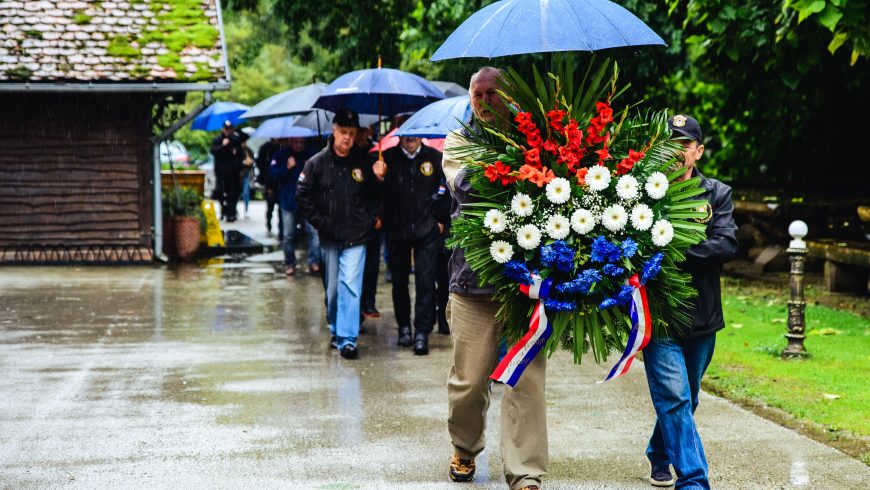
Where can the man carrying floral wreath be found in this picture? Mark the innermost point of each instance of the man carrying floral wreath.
(675, 364)
(472, 316)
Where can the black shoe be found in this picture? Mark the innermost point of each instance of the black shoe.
(443, 327)
(371, 312)
(405, 337)
(660, 476)
(333, 342)
(349, 352)
(421, 344)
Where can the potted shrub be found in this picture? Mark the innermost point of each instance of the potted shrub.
(182, 206)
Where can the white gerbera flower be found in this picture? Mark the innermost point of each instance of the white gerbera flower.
(662, 233)
(558, 190)
(614, 217)
(521, 205)
(582, 221)
(657, 185)
(641, 217)
(495, 221)
(598, 177)
(626, 187)
(529, 237)
(558, 227)
(501, 251)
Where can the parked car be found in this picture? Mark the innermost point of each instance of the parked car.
(174, 152)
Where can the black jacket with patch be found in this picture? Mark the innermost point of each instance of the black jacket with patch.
(411, 189)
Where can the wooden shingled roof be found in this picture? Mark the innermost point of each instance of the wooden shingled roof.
(114, 42)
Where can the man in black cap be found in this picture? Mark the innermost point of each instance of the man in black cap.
(411, 186)
(675, 364)
(229, 154)
(339, 194)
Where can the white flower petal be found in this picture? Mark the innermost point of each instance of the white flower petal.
(558, 190)
(495, 221)
(583, 221)
(662, 233)
(521, 205)
(529, 237)
(501, 251)
(641, 217)
(598, 178)
(614, 217)
(558, 227)
(627, 187)
(657, 185)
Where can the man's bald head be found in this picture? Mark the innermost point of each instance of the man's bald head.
(482, 89)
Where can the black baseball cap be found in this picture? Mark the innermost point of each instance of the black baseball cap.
(346, 118)
(227, 124)
(685, 126)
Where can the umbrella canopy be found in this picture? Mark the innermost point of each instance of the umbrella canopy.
(450, 89)
(214, 116)
(288, 127)
(438, 119)
(296, 101)
(391, 139)
(382, 91)
(551, 26)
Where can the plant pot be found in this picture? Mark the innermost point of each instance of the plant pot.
(186, 236)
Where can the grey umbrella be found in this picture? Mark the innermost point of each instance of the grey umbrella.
(295, 101)
(450, 89)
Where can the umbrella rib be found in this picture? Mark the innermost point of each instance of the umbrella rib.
(511, 4)
(612, 25)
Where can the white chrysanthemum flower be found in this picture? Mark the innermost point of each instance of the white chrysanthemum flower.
(614, 217)
(521, 205)
(558, 227)
(495, 221)
(501, 251)
(641, 217)
(627, 187)
(662, 233)
(583, 221)
(657, 185)
(559, 190)
(598, 177)
(529, 237)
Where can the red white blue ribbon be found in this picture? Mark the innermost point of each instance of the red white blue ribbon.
(641, 329)
(521, 355)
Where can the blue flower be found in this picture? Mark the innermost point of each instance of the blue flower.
(613, 270)
(624, 295)
(604, 251)
(580, 284)
(629, 248)
(651, 268)
(559, 255)
(556, 305)
(518, 272)
(607, 303)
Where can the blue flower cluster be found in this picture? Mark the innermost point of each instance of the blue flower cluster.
(559, 255)
(629, 248)
(623, 297)
(603, 251)
(651, 268)
(582, 283)
(518, 272)
(613, 270)
(556, 305)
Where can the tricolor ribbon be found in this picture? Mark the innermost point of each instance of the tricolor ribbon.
(521, 355)
(641, 329)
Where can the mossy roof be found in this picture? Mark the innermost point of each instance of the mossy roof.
(162, 41)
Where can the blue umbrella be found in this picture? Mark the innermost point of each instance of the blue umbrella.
(438, 119)
(382, 91)
(296, 101)
(512, 27)
(214, 116)
(283, 127)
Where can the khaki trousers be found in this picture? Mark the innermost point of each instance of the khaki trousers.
(523, 410)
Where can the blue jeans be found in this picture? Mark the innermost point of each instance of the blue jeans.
(246, 191)
(313, 244)
(288, 242)
(343, 270)
(674, 368)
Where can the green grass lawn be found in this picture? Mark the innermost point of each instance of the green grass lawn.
(831, 388)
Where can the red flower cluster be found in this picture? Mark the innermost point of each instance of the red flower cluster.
(581, 175)
(627, 164)
(573, 151)
(501, 172)
(533, 157)
(528, 128)
(556, 118)
(598, 123)
(536, 176)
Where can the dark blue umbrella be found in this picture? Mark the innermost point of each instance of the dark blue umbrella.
(286, 127)
(215, 115)
(438, 119)
(382, 91)
(295, 101)
(512, 27)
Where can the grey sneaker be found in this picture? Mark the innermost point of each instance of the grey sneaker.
(660, 476)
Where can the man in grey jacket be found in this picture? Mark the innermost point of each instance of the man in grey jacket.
(471, 314)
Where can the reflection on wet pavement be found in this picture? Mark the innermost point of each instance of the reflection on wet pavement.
(219, 375)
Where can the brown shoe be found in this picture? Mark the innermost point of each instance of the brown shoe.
(461, 470)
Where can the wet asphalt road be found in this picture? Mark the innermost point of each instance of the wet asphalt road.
(219, 376)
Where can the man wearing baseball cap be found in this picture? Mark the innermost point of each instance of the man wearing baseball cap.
(676, 363)
(340, 196)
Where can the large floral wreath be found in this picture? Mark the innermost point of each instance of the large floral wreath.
(580, 218)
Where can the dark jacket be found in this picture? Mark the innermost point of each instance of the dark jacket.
(286, 180)
(704, 261)
(463, 280)
(264, 161)
(340, 197)
(410, 189)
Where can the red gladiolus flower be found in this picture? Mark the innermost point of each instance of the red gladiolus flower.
(603, 154)
(498, 171)
(581, 175)
(605, 113)
(624, 166)
(534, 138)
(635, 156)
(533, 157)
(556, 118)
(551, 147)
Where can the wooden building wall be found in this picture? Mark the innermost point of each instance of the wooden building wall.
(75, 173)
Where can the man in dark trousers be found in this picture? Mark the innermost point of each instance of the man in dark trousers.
(339, 194)
(270, 188)
(229, 155)
(675, 364)
(411, 185)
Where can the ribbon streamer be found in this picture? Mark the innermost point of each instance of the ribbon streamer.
(641, 329)
(521, 355)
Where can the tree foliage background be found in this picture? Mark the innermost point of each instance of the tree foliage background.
(780, 86)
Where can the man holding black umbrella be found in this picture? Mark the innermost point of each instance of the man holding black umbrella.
(229, 153)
